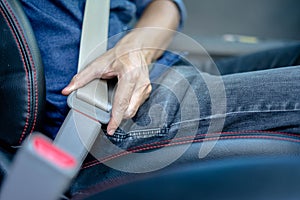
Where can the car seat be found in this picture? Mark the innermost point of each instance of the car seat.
(242, 165)
(22, 89)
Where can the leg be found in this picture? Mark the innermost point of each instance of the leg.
(274, 58)
(181, 104)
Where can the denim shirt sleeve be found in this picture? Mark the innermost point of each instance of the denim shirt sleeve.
(142, 4)
(182, 11)
(168, 59)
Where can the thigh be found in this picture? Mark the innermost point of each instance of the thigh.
(258, 100)
(263, 100)
(185, 102)
(288, 55)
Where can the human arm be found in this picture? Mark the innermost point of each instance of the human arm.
(129, 60)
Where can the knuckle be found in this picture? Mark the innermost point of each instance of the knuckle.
(75, 77)
(95, 71)
(135, 74)
(123, 104)
(129, 114)
(76, 81)
(149, 88)
(98, 68)
(130, 77)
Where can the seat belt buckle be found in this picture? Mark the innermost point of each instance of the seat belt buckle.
(84, 107)
(40, 170)
(95, 104)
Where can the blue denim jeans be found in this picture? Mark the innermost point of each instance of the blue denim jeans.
(254, 92)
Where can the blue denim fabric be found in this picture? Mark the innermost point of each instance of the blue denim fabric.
(288, 55)
(57, 27)
(182, 99)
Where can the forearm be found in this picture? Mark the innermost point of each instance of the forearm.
(154, 30)
(129, 61)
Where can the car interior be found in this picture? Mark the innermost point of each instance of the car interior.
(246, 164)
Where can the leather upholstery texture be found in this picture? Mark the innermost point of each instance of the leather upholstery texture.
(22, 85)
(241, 165)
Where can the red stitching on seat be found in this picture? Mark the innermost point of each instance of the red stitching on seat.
(82, 193)
(96, 162)
(204, 135)
(217, 133)
(27, 75)
(26, 72)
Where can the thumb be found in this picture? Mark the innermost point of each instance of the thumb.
(79, 80)
(70, 87)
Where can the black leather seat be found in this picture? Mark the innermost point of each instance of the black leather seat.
(22, 90)
(22, 87)
(258, 178)
(241, 165)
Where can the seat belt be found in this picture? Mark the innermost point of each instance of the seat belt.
(89, 105)
(51, 167)
(94, 43)
(40, 171)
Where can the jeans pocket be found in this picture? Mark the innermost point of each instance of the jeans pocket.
(133, 138)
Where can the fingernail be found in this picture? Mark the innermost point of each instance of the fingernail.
(111, 132)
(64, 91)
(71, 87)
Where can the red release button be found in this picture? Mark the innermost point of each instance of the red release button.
(52, 153)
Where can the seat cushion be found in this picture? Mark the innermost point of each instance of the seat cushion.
(225, 154)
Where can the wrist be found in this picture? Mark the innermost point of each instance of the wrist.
(140, 40)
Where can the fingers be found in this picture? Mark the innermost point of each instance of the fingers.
(94, 70)
(133, 83)
(128, 99)
(121, 102)
(133, 89)
(78, 81)
(142, 87)
(138, 98)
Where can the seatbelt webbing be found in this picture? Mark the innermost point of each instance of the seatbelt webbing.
(49, 169)
(93, 44)
(89, 105)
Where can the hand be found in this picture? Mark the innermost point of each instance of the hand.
(131, 69)
(129, 61)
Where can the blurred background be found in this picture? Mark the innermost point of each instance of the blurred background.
(234, 27)
(276, 19)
